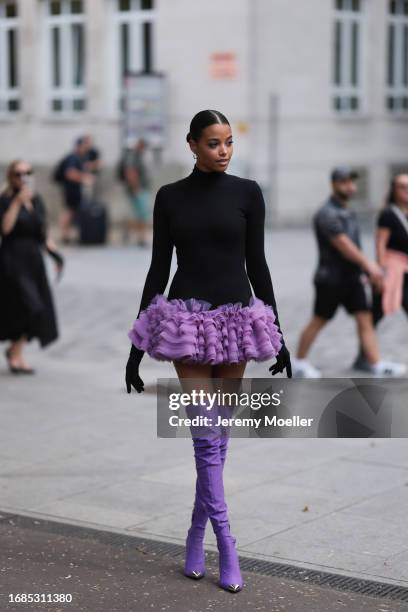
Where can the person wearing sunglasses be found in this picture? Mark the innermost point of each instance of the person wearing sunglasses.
(26, 306)
(392, 256)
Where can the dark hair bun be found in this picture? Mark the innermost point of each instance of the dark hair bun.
(202, 120)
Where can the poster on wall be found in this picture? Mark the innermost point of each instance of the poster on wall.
(144, 106)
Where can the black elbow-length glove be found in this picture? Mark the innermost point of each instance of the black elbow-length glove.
(132, 370)
(283, 357)
(282, 362)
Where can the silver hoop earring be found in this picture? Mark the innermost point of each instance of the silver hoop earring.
(194, 155)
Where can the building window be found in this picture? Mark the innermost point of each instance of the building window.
(65, 36)
(134, 30)
(394, 169)
(9, 76)
(397, 57)
(348, 56)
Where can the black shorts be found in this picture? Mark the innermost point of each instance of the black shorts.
(72, 198)
(354, 294)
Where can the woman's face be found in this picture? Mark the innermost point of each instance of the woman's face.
(214, 148)
(20, 173)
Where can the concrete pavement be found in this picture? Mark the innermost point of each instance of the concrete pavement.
(74, 446)
(102, 574)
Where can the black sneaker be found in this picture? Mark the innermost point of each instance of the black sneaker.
(361, 363)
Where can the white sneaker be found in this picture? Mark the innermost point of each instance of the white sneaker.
(388, 368)
(301, 368)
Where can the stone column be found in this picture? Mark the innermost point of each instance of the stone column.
(28, 55)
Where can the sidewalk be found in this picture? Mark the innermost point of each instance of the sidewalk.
(75, 447)
(104, 574)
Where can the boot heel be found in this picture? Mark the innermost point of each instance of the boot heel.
(194, 566)
(230, 573)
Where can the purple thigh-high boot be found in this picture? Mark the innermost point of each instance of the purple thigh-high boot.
(195, 557)
(209, 466)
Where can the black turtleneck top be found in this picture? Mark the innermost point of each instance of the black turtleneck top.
(216, 222)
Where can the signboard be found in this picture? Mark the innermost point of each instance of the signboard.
(144, 107)
(223, 65)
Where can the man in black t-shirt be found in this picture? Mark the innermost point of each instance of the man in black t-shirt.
(343, 277)
(92, 162)
(75, 175)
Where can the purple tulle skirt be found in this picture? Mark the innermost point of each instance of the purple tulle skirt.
(191, 332)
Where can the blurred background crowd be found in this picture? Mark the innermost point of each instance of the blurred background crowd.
(306, 88)
(96, 97)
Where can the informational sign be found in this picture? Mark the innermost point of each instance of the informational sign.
(144, 106)
(223, 65)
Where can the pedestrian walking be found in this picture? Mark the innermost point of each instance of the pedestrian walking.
(74, 172)
(210, 325)
(392, 256)
(26, 305)
(93, 159)
(93, 165)
(137, 184)
(343, 278)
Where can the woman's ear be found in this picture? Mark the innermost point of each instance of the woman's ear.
(193, 146)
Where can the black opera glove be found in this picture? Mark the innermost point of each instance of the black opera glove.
(282, 362)
(132, 370)
(56, 256)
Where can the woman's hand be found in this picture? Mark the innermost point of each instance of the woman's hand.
(56, 256)
(282, 362)
(132, 370)
(24, 197)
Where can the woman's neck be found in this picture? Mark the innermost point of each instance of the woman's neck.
(403, 206)
(206, 175)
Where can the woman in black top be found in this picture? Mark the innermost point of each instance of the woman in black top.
(210, 324)
(26, 306)
(392, 250)
(392, 238)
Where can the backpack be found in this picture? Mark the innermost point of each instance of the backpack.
(59, 171)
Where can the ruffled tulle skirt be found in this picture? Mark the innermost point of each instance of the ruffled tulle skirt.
(191, 332)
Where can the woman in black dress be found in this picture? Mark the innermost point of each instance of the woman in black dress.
(210, 324)
(26, 305)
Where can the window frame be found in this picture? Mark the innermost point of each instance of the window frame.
(9, 93)
(134, 19)
(67, 91)
(398, 91)
(345, 90)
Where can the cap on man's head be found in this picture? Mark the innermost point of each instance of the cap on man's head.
(80, 141)
(343, 173)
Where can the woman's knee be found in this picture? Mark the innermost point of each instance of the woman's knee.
(364, 321)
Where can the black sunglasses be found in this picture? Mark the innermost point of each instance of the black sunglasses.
(21, 174)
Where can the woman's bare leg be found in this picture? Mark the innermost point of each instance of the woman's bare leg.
(16, 353)
(231, 375)
(186, 372)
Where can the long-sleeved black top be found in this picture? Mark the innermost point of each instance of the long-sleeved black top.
(216, 222)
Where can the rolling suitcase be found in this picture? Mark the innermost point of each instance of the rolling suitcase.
(93, 223)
